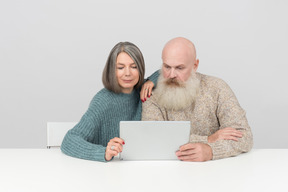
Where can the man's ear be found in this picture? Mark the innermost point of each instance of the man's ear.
(196, 64)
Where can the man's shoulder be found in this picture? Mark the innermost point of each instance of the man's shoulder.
(152, 100)
(211, 81)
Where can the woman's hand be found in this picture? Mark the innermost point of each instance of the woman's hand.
(114, 147)
(227, 133)
(146, 90)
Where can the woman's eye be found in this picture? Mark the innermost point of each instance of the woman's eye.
(120, 67)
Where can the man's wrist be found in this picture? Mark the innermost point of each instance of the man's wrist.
(209, 152)
(209, 139)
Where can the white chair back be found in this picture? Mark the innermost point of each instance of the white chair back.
(56, 132)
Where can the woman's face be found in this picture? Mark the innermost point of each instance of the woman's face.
(126, 72)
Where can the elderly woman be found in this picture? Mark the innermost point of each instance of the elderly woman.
(96, 136)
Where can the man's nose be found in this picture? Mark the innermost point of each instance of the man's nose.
(172, 73)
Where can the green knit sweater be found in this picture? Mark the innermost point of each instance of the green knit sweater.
(89, 138)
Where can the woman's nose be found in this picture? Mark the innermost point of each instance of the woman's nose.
(127, 71)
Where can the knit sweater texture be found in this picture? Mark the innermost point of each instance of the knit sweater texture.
(89, 138)
(216, 107)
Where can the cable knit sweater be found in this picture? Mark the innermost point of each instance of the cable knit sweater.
(89, 138)
(216, 107)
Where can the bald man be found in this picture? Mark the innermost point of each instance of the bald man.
(219, 127)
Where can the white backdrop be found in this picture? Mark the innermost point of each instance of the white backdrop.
(52, 54)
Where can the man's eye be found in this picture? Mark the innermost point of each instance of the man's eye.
(167, 67)
(180, 67)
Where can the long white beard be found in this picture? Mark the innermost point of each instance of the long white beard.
(176, 95)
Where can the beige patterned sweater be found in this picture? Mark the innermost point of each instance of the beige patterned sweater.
(216, 107)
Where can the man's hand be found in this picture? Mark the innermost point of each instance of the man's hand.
(227, 133)
(194, 152)
(146, 90)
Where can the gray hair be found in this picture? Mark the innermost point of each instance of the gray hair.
(109, 73)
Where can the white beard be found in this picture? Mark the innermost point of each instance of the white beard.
(176, 95)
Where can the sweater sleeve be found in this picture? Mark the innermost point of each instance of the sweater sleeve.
(81, 141)
(230, 114)
(154, 77)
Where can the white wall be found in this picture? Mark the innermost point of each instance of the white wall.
(52, 54)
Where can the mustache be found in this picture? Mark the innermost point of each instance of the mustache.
(174, 83)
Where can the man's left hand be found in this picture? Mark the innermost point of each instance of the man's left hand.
(194, 152)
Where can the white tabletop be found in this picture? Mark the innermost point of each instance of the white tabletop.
(50, 170)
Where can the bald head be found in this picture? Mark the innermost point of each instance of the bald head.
(179, 59)
(179, 46)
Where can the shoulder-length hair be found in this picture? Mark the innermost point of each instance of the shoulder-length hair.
(109, 73)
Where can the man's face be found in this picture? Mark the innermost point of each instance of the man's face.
(177, 67)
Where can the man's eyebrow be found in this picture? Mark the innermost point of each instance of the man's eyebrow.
(180, 65)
